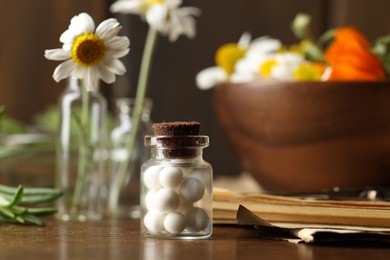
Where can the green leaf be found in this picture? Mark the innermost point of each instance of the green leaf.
(311, 51)
(32, 195)
(35, 211)
(382, 50)
(7, 212)
(7, 219)
(4, 202)
(34, 219)
(11, 197)
(18, 196)
(327, 38)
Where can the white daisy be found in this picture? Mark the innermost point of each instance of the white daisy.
(240, 62)
(283, 65)
(225, 58)
(165, 16)
(246, 69)
(90, 54)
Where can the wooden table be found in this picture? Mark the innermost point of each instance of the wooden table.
(121, 239)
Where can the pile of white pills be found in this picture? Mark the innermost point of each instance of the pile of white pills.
(171, 201)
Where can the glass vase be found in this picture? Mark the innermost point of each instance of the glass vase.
(124, 193)
(81, 153)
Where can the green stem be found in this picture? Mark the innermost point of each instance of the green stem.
(83, 153)
(137, 113)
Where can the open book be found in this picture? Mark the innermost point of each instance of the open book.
(282, 209)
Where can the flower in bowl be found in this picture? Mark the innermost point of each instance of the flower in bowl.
(306, 117)
(341, 54)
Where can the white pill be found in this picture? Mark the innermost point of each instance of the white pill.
(151, 177)
(166, 200)
(149, 200)
(191, 189)
(170, 177)
(197, 219)
(154, 221)
(175, 223)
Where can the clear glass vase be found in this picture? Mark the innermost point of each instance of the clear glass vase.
(124, 195)
(81, 153)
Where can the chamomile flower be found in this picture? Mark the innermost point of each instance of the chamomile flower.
(290, 66)
(237, 62)
(259, 50)
(225, 58)
(281, 66)
(90, 54)
(165, 16)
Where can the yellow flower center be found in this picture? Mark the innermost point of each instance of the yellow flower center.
(266, 68)
(87, 49)
(227, 56)
(309, 71)
(148, 3)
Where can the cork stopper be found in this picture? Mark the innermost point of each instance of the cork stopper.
(176, 128)
(177, 138)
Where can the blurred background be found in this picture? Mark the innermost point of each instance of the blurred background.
(29, 27)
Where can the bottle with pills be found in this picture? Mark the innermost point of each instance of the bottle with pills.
(176, 183)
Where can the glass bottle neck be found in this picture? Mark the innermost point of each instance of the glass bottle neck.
(181, 153)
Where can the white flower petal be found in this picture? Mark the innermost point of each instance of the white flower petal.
(108, 29)
(67, 37)
(105, 74)
(127, 6)
(117, 53)
(282, 73)
(115, 66)
(186, 24)
(64, 70)
(210, 77)
(264, 45)
(79, 24)
(156, 16)
(173, 3)
(85, 23)
(91, 79)
(82, 23)
(189, 11)
(244, 40)
(79, 72)
(57, 54)
(118, 43)
(242, 77)
(181, 22)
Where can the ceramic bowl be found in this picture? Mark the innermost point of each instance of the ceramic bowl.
(305, 136)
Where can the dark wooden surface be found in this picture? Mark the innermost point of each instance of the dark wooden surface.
(121, 239)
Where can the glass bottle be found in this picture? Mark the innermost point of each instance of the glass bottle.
(176, 188)
(81, 153)
(125, 202)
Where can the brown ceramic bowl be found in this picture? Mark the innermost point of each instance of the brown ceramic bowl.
(305, 136)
